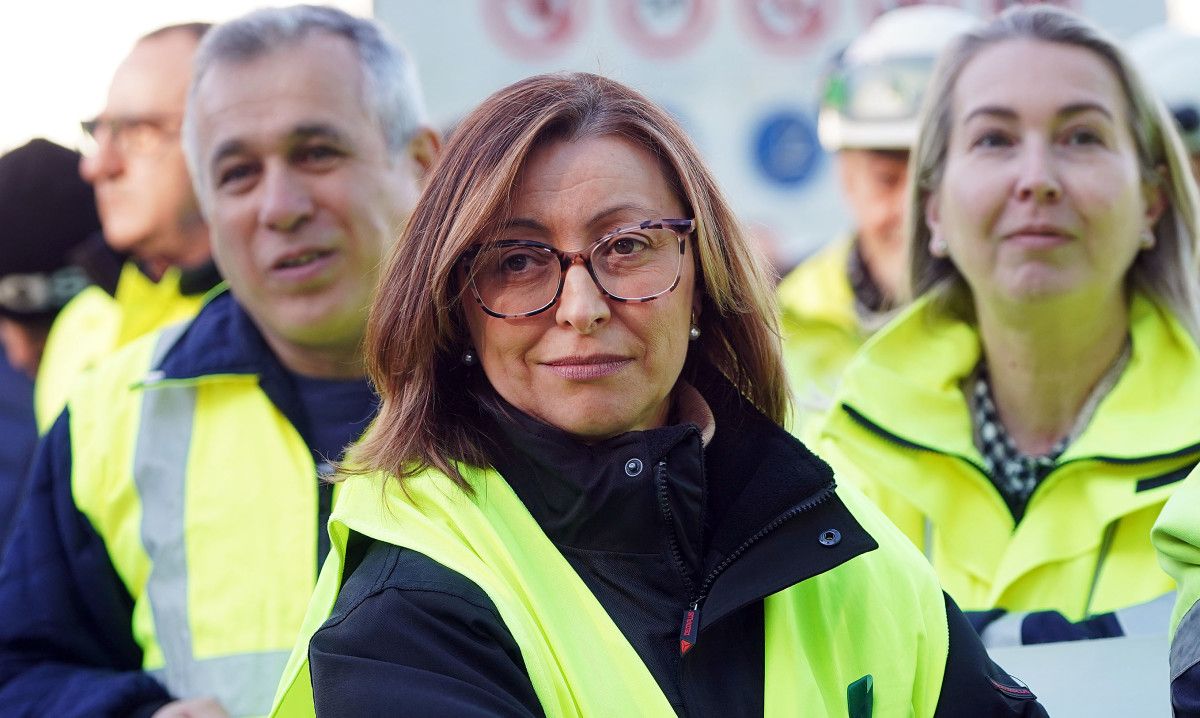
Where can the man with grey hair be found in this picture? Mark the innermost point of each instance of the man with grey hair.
(163, 561)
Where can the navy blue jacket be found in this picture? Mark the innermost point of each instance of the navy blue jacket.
(20, 433)
(66, 645)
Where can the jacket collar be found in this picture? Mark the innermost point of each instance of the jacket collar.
(733, 494)
(223, 341)
(907, 384)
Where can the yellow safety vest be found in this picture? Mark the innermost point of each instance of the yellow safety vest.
(206, 499)
(820, 330)
(93, 325)
(880, 614)
(902, 431)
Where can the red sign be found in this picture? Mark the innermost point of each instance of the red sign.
(533, 29)
(789, 26)
(663, 28)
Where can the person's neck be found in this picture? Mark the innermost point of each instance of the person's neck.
(193, 237)
(318, 362)
(884, 265)
(1044, 361)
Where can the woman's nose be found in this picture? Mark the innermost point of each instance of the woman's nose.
(582, 305)
(1038, 179)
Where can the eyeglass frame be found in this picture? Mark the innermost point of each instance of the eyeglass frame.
(166, 124)
(683, 228)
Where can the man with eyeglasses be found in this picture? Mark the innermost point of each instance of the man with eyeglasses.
(134, 161)
(175, 518)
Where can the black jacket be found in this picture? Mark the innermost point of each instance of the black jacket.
(655, 524)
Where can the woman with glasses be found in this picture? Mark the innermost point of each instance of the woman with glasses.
(578, 498)
(1028, 416)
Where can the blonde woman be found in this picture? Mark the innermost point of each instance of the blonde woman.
(1024, 421)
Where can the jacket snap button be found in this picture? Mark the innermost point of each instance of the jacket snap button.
(830, 537)
(633, 467)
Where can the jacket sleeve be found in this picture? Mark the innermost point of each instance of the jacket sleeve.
(973, 686)
(66, 643)
(1176, 536)
(406, 631)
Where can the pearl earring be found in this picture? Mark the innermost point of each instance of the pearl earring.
(469, 358)
(938, 246)
(1147, 240)
(694, 332)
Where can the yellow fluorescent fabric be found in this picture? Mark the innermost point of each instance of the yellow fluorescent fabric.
(94, 324)
(820, 329)
(1177, 538)
(258, 475)
(236, 551)
(822, 634)
(901, 430)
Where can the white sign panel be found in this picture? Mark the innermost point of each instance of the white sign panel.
(741, 75)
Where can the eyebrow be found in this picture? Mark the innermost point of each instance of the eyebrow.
(299, 133)
(1007, 113)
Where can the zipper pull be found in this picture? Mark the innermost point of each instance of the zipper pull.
(690, 631)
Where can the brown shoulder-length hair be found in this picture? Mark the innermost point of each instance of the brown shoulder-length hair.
(1169, 271)
(416, 332)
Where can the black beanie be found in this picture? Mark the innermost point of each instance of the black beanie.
(46, 211)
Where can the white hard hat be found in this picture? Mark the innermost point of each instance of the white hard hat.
(872, 95)
(1167, 59)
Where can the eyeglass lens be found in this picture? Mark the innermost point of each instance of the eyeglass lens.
(514, 279)
(141, 135)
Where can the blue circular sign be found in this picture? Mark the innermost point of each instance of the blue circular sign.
(786, 149)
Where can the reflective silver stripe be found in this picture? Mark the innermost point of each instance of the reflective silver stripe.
(1185, 647)
(928, 539)
(1152, 618)
(1004, 632)
(243, 683)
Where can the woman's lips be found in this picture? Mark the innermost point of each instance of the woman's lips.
(1038, 237)
(583, 369)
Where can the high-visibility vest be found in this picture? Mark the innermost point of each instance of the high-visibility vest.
(880, 615)
(901, 430)
(94, 324)
(207, 501)
(820, 330)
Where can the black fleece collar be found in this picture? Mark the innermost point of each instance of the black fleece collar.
(755, 503)
(588, 496)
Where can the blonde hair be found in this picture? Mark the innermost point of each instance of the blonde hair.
(430, 412)
(1168, 271)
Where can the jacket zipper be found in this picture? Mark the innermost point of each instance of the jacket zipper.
(689, 632)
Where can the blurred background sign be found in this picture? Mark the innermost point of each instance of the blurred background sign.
(741, 75)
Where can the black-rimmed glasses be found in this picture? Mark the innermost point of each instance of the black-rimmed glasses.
(521, 278)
